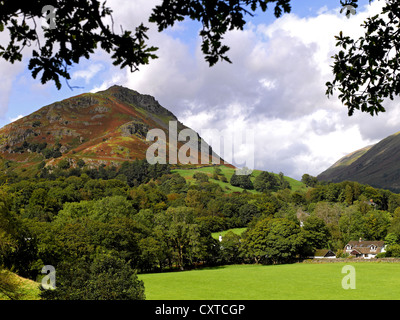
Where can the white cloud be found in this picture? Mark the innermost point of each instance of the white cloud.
(8, 73)
(88, 73)
(275, 86)
(16, 118)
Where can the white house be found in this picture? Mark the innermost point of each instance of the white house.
(365, 249)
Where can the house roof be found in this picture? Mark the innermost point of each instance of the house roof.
(364, 247)
(364, 251)
(323, 253)
(366, 244)
(368, 250)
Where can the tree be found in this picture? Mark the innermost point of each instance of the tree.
(366, 70)
(230, 248)
(283, 183)
(284, 241)
(395, 224)
(348, 195)
(172, 183)
(277, 240)
(330, 213)
(75, 29)
(40, 205)
(8, 244)
(247, 212)
(8, 225)
(351, 224)
(255, 241)
(63, 164)
(80, 163)
(103, 210)
(179, 230)
(113, 279)
(241, 181)
(200, 177)
(152, 254)
(106, 277)
(267, 181)
(140, 171)
(393, 251)
(309, 180)
(376, 224)
(391, 239)
(316, 233)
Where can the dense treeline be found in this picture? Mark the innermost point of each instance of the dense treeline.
(133, 173)
(140, 218)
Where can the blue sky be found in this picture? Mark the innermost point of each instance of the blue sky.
(275, 84)
(23, 98)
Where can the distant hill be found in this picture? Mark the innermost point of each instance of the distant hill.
(106, 127)
(377, 165)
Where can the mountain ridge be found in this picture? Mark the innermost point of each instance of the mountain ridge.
(377, 165)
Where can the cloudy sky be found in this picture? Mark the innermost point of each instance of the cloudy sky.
(274, 87)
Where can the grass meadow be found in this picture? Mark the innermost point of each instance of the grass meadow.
(300, 281)
(237, 231)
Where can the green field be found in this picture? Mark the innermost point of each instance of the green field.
(301, 281)
(237, 231)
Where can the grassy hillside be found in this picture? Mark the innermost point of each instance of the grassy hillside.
(350, 158)
(377, 165)
(276, 282)
(188, 173)
(27, 289)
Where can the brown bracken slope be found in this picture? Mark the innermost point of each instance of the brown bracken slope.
(106, 127)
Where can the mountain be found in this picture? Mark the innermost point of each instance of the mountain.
(106, 127)
(377, 165)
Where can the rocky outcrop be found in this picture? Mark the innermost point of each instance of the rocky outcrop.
(143, 101)
(60, 132)
(82, 101)
(134, 127)
(18, 135)
(100, 109)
